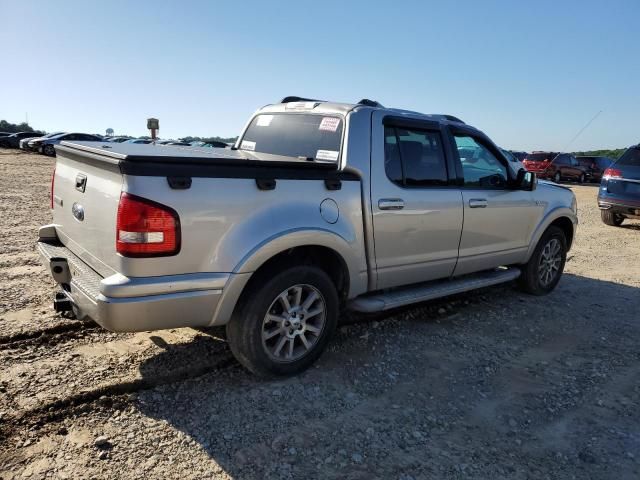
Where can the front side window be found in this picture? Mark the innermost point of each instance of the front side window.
(414, 157)
(481, 168)
(307, 136)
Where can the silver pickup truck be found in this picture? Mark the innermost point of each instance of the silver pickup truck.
(319, 206)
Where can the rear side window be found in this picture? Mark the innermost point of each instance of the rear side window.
(540, 157)
(631, 157)
(414, 157)
(308, 136)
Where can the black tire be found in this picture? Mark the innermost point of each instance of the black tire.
(245, 330)
(49, 150)
(530, 280)
(611, 218)
(557, 177)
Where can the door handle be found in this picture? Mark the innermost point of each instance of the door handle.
(390, 204)
(478, 203)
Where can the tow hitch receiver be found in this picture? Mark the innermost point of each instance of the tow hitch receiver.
(60, 270)
(61, 303)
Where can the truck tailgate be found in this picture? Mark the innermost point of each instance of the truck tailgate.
(85, 207)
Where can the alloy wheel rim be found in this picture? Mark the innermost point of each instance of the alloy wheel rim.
(550, 262)
(293, 323)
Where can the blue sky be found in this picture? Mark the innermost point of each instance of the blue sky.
(529, 74)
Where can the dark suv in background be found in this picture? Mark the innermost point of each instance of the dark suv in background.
(619, 194)
(555, 166)
(595, 166)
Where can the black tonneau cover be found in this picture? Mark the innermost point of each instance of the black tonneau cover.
(158, 154)
(149, 160)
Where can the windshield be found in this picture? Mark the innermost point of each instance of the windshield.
(631, 157)
(310, 136)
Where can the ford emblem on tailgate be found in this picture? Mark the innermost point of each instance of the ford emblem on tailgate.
(78, 211)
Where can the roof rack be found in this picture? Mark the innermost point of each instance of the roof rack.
(370, 103)
(294, 98)
(451, 118)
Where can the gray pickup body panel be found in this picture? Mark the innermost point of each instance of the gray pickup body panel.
(230, 227)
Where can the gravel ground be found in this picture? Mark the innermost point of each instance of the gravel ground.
(493, 384)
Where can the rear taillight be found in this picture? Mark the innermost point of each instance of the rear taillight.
(145, 228)
(53, 182)
(612, 173)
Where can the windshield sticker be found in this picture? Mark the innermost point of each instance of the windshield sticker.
(264, 120)
(247, 145)
(329, 124)
(330, 155)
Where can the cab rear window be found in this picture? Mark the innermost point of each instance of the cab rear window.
(309, 136)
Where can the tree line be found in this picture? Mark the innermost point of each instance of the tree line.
(17, 127)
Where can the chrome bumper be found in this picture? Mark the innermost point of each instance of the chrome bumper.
(124, 304)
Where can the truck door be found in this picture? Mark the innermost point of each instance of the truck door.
(416, 206)
(498, 220)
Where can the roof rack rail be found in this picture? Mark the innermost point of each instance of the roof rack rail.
(294, 98)
(370, 103)
(451, 118)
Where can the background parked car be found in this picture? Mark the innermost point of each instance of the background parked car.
(13, 140)
(555, 166)
(519, 155)
(139, 140)
(34, 143)
(117, 139)
(595, 166)
(619, 194)
(48, 146)
(517, 164)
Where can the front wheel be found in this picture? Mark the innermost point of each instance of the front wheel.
(284, 321)
(610, 218)
(542, 272)
(49, 150)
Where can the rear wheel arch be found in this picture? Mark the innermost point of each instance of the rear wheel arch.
(325, 258)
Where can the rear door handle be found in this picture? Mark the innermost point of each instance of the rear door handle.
(478, 203)
(390, 204)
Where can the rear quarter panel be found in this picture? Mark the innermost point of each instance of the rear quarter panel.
(229, 225)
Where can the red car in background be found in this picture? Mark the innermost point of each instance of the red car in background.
(555, 166)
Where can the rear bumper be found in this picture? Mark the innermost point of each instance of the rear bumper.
(125, 304)
(622, 206)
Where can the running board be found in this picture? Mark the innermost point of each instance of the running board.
(379, 302)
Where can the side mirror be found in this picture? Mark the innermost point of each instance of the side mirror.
(525, 180)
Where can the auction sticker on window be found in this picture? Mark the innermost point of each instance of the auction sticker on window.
(329, 124)
(264, 120)
(330, 155)
(247, 145)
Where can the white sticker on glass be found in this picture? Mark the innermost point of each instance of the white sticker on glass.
(329, 124)
(247, 145)
(330, 155)
(264, 120)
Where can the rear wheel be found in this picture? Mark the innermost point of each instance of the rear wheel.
(49, 150)
(611, 218)
(542, 272)
(556, 177)
(284, 321)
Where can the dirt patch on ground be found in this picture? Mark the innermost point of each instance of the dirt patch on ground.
(494, 384)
